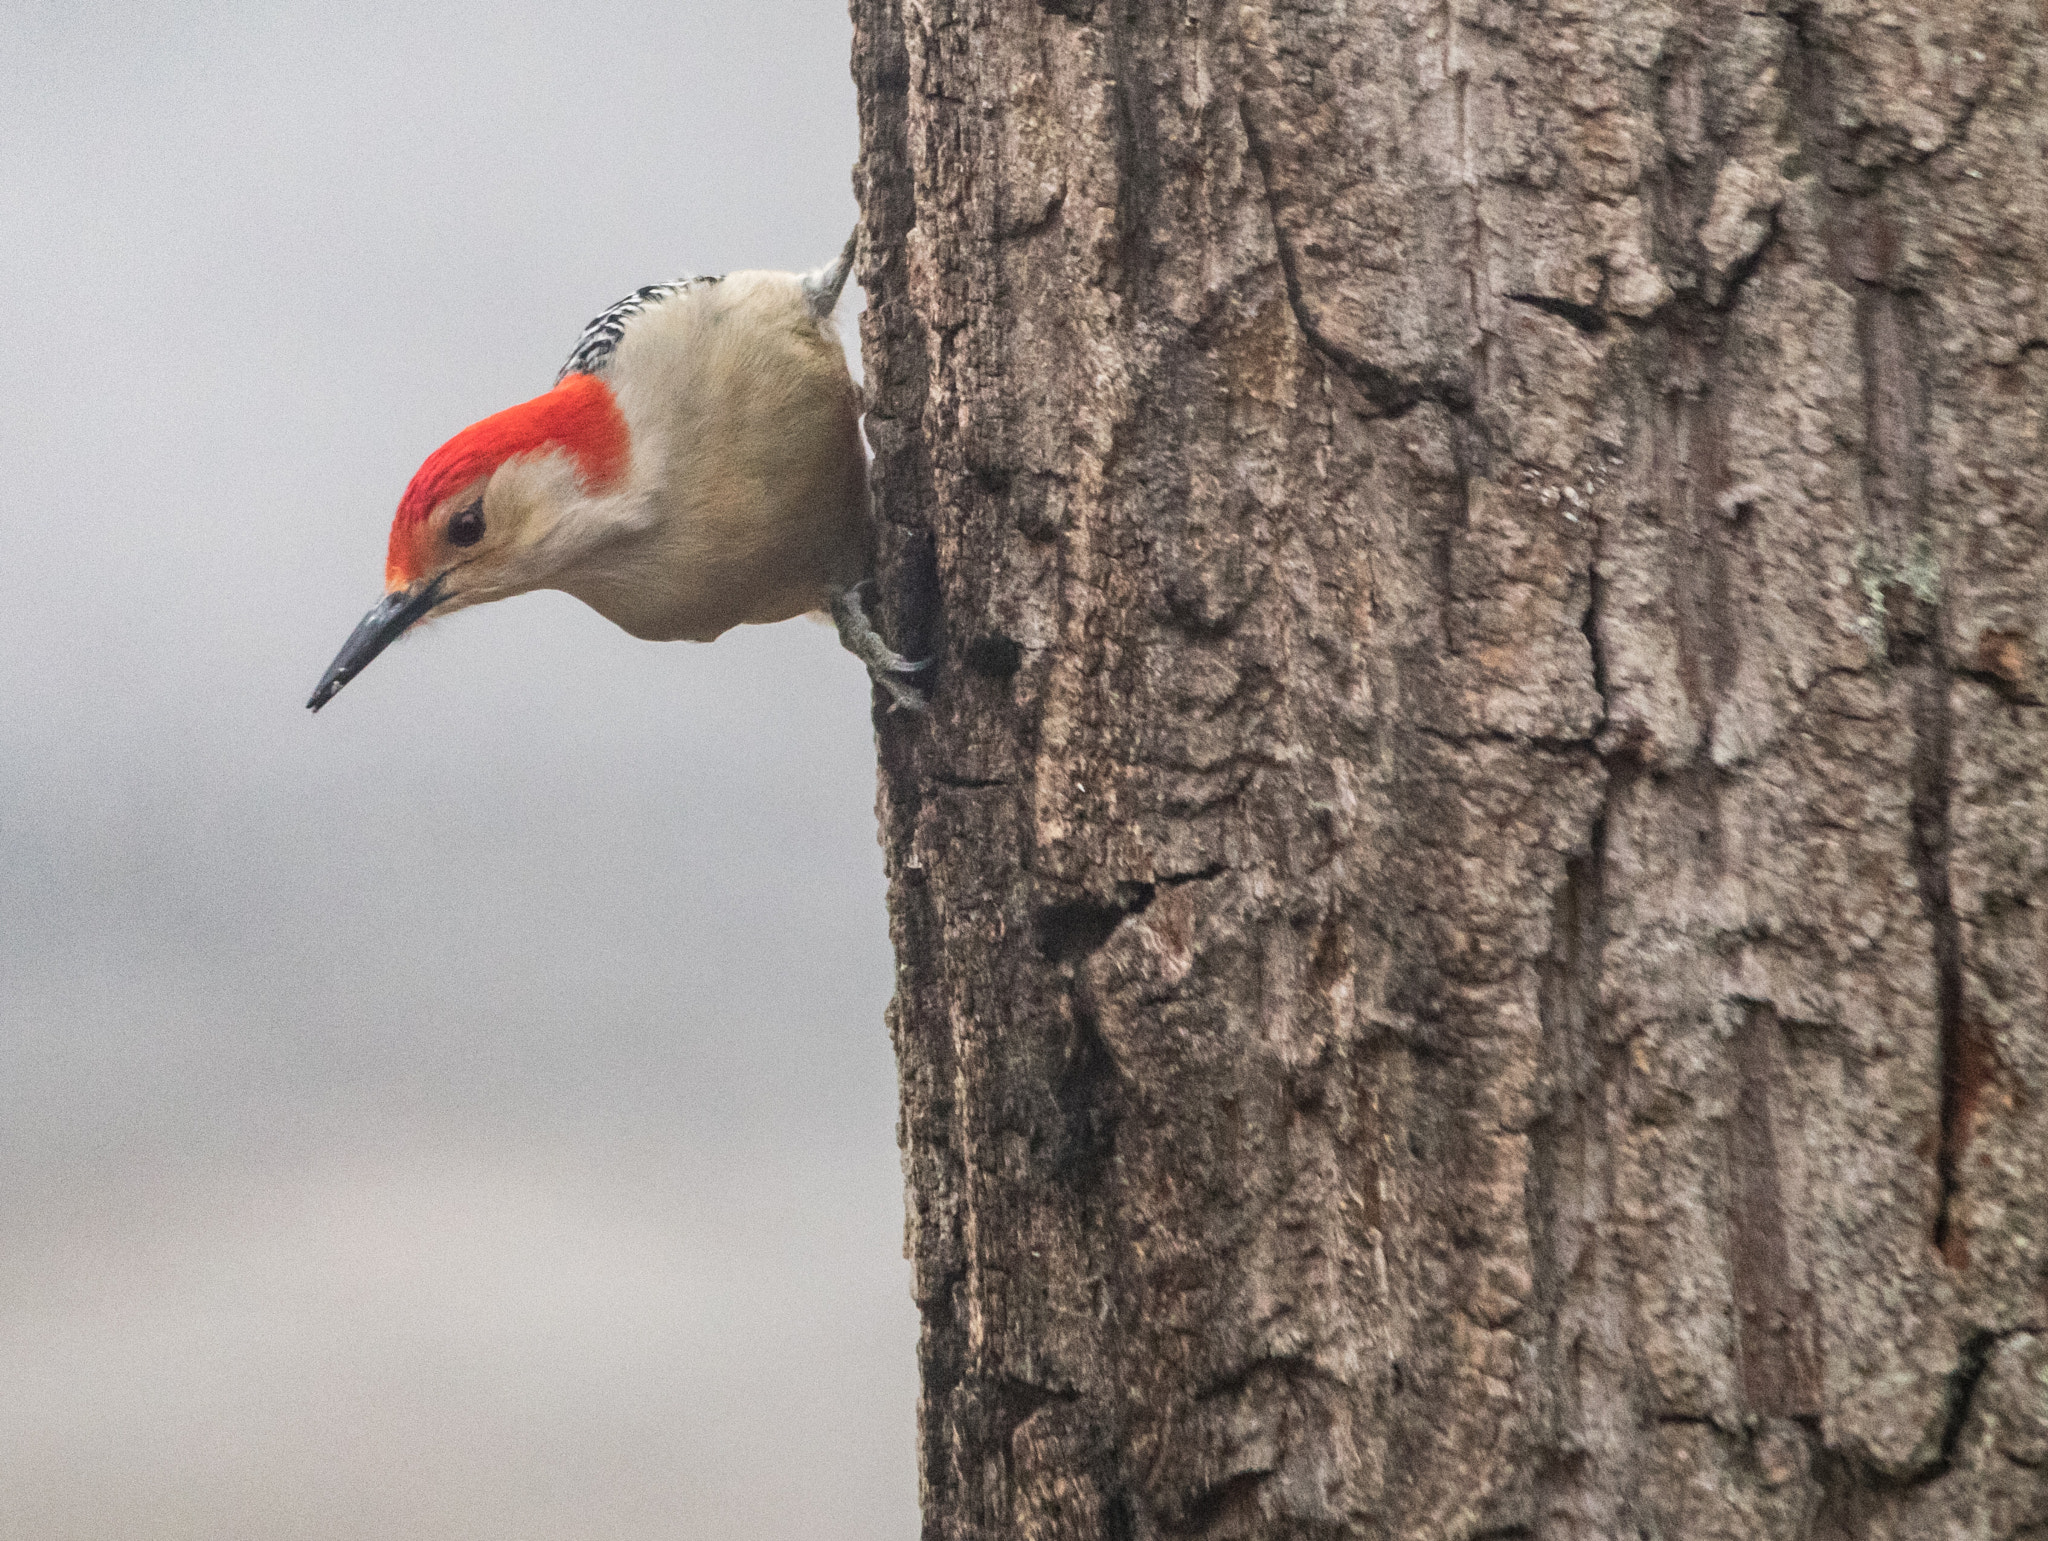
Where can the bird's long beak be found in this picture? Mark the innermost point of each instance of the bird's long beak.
(375, 632)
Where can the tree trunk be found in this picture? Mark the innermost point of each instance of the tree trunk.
(1471, 906)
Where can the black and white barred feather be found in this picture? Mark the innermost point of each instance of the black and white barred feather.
(592, 354)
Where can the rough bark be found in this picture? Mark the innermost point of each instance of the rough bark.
(1471, 906)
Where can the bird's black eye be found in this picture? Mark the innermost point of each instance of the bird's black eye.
(467, 527)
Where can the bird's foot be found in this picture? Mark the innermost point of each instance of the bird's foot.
(886, 667)
(902, 697)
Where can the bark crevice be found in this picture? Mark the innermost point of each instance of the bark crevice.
(1964, 1065)
(1775, 1331)
(1972, 1359)
(1589, 319)
(1391, 394)
(1071, 929)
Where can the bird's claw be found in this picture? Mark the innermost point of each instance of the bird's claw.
(902, 698)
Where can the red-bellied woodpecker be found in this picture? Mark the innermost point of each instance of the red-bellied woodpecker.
(697, 466)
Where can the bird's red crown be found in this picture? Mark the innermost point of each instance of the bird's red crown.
(578, 416)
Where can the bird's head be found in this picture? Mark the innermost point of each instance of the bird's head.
(492, 513)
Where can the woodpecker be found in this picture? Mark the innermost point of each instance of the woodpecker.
(697, 466)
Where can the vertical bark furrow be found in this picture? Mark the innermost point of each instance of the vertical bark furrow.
(1589, 1472)
(1962, 1065)
(1774, 1312)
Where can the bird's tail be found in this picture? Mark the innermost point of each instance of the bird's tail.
(821, 287)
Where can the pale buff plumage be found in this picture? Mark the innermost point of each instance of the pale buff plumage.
(747, 453)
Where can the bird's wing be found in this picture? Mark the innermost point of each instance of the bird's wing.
(592, 354)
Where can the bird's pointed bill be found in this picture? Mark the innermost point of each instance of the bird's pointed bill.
(374, 633)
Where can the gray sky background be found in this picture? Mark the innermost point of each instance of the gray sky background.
(467, 1113)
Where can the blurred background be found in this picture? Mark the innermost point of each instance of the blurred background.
(467, 1113)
